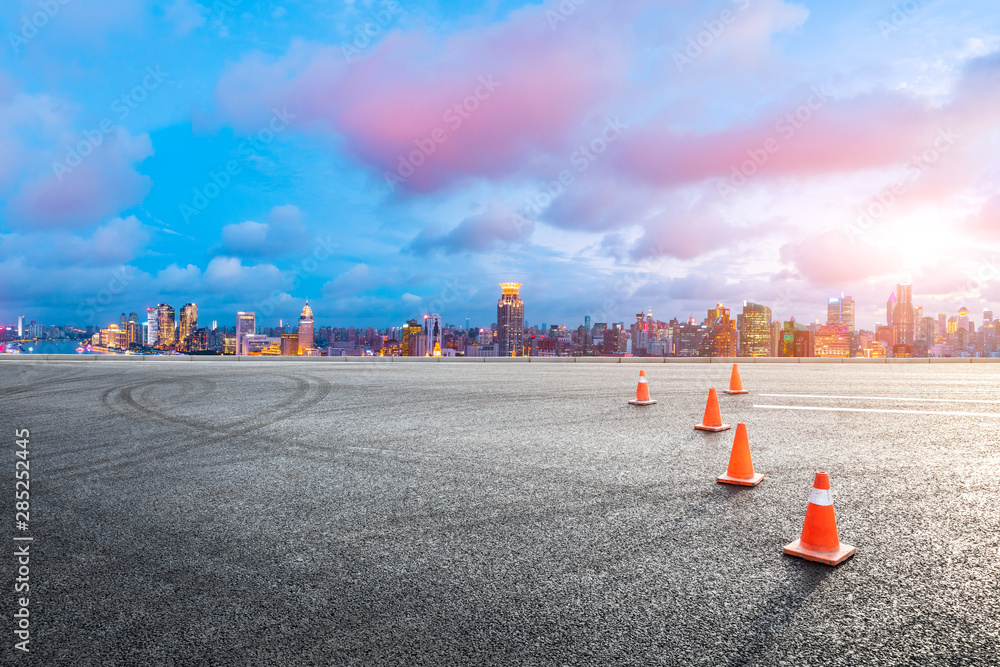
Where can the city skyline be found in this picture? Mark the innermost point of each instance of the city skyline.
(682, 156)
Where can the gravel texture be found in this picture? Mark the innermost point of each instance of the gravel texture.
(452, 514)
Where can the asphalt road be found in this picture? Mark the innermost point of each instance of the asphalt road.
(431, 514)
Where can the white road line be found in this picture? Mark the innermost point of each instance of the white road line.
(887, 398)
(898, 412)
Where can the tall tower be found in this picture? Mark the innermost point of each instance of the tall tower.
(890, 309)
(166, 325)
(152, 326)
(902, 315)
(189, 322)
(306, 329)
(510, 321)
(755, 331)
(833, 314)
(847, 313)
(246, 325)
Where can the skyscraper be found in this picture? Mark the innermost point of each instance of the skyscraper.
(189, 322)
(305, 342)
(166, 325)
(987, 317)
(246, 325)
(890, 309)
(20, 326)
(902, 315)
(833, 311)
(510, 321)
(755, 330)
(152, 326)
(847, 313)
(409, 338)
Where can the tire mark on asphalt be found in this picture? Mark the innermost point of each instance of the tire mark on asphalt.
(292, 406)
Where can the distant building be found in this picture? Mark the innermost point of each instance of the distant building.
(152, 326)
(20, 326)
(246, 325)
(903, 315)
(289, 345)
(833, 311)
(189, 323)
(166, 326)
(410, 336)
(755, 331)
(832, 341)
(510, 321)
(847, 313)
(305, 339)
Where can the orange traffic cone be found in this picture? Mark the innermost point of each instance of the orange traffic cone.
(713, 418)
(642, 392)
(740, 469)
(736, 382)
(819, 541)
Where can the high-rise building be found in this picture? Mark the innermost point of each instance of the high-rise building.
(290, 345)
(987, 317)
(246, 325)
(166, 325)
(586, 322)
(890, 309)
(189, 322)
(20, 326)
(410, 335)
(942, 324)
(833, 311)
(847, 313)
(510, 321)
(305, 340)
(152, 326)
(755, 330)
(433, 332)
(832, 340)
(722, 336)
(902, 315)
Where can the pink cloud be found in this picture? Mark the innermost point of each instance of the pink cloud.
(833, 259)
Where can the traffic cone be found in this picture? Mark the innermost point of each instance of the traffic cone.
(740, 469)
(642, 392)
(713, 418)
(736, 382)
(819, 541)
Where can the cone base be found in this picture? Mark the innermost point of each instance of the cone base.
(713, 429)
(637, 402)
(747, 481)
(829, 557)
(735, 391)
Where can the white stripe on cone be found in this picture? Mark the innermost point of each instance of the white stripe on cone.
(642, 380)
(821, 497)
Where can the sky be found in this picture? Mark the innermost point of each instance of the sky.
(387, 159)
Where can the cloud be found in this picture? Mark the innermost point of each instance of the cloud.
(833, 259)
(283, 234)
(494, 228)
(185, 16)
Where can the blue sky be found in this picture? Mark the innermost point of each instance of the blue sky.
(602, 154)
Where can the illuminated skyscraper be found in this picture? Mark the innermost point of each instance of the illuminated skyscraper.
(510, 321)
(409, 337)
(833, 311)
(847, 313)
(902, 315)
(305, 341)
(152, 326)
(433, 332)
(987, 317)
(246, 325)
(20, 326)
(166, 325)
(755, 330)
(890, 309)
(189, 322)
